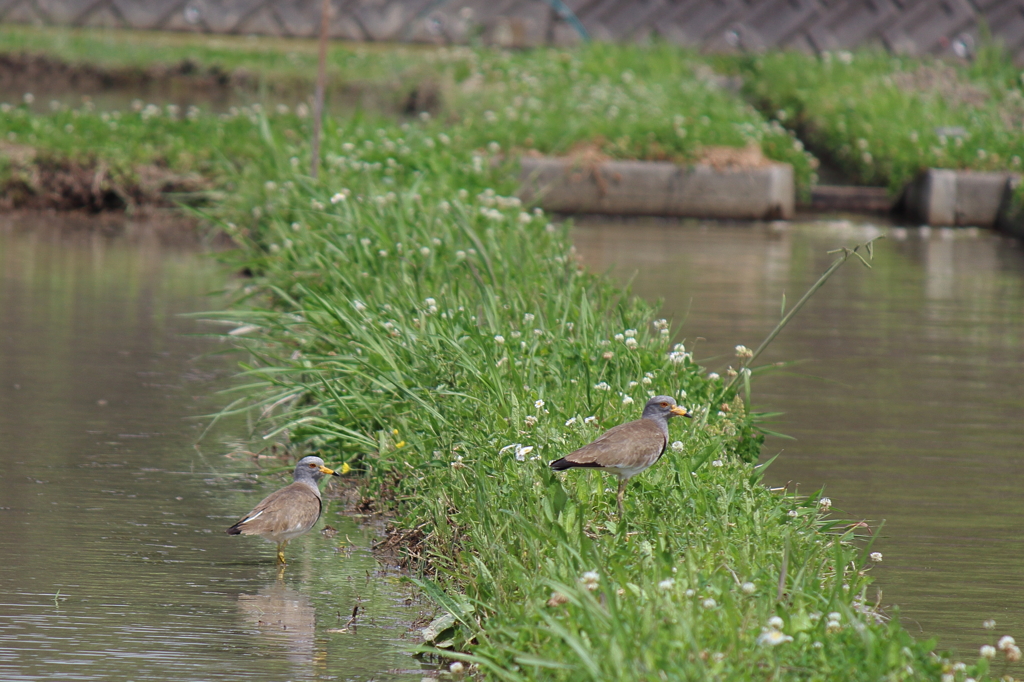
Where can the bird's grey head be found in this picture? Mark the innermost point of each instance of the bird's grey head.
(663, 407)
(312, 468)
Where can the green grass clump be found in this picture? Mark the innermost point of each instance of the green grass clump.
(625, 101)
(413, 319)
(882, 119)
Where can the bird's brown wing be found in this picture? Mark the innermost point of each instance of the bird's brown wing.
(292, 507)
(632, 444)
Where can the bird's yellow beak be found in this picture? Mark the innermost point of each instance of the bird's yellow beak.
(681, 411)
(329, 472)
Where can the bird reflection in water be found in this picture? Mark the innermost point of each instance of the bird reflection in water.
(285, 618)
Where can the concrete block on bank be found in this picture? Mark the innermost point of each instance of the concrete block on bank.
(951, 197)
(567, 185)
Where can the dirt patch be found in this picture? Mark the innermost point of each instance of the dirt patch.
(941, 81)
(35, 181)
(734, 158)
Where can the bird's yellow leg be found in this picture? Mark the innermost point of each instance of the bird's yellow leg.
(618, 498)
(280, 552)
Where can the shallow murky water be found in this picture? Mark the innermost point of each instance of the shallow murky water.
(908, 404)
(114, 564)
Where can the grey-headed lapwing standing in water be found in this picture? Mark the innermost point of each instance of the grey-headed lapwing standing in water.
(629, 448)
(291, 511)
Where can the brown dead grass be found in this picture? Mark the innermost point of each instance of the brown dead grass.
(734, 158)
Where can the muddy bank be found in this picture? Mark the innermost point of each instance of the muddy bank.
(188, 82)
(41, 181)
(22, 72)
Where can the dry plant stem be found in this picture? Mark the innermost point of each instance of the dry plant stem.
(321, 83)
(845, 254)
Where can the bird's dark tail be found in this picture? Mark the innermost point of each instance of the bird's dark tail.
(235, 529)
(565, 463)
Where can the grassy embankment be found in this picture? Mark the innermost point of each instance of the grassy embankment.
(881, 119)
(442, 340)
(411, 318)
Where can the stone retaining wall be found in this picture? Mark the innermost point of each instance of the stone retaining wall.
(901, 26)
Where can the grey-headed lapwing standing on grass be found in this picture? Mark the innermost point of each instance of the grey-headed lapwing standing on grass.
(628, 449)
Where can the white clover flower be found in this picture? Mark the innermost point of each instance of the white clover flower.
(677, 358)
(818, 645)
(590, 420)
(773, 638)
(959, 666)
(1013, 654)
(690, 593)
(709, 603)
(538, 332)
(793, 513)
(460, 255)
(875, 556)
(383, 253)
(776, 623)
(457, 666)
(630, 333)
(530, 420)
(712, 376)
(987, 651)
(339, 197)
(516, 334)
(833, 626)
(528, 318)
(989, 624)
(524, 218)
(539, 404)
(424, 251)
(824, 504)
(835, 615)
(522, 452)
(626, 400)
(602, 386)
(619, 337)
(660, 324)
(590, 580)
(631, 343)
(570, 421)
(365, 241)
(744, 352)
(646, 381)
(1005, 643)
(358, 305)
(666, 584)
(748, 588)
(499, 339)
(677, 445)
